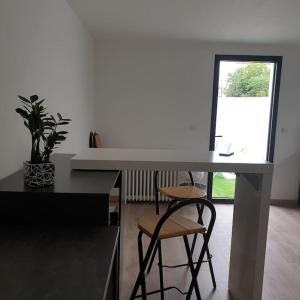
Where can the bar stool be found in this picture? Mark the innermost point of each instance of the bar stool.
(168, 226)
(183, 193)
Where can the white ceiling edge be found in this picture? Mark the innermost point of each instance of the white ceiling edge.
(183, 40)
(104, 27)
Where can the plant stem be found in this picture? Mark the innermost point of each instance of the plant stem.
(32, 150)
(38, 150)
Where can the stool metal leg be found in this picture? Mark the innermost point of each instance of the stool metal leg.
(201, 256)
(194, 242)
(154, 253)
(143, 267)
(192, 269)
(156, 192)
(211, 269)
(160, 266)
(140, 249)
(200, 209)
(155, 242)
(171, 204)
(152, 259)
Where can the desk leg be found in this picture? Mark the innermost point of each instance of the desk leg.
(115, 274)
(120, 268)
(249, 236)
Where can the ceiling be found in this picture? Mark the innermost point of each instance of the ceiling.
(263, 21)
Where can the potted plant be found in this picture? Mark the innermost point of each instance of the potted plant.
(39, 171)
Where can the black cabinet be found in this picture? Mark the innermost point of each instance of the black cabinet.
(77, 197)
(58, 263)
(55, 242)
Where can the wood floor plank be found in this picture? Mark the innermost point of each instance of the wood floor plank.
(282, 269)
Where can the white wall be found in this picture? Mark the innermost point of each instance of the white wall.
(158, 95)
(44, 50)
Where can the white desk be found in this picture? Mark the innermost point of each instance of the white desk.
(251, 205)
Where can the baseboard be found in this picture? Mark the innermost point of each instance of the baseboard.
(274, 202)
(279, 202)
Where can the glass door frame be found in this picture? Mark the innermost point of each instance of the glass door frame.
(277, 61)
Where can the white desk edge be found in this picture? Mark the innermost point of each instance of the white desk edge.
(154, 159)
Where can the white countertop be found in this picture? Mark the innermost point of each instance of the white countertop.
(155, 159)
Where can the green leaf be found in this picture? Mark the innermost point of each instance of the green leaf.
(61, 138)
(28, 110)
(36, 134)
(62, 132)
(25, 104)
(40, 102)
(24, 99)
(22, 112)
(40, 109)
(63, 123)
(49, 123)
(59, 116)
(34, 98)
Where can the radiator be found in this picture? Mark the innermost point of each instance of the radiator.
(139, 184)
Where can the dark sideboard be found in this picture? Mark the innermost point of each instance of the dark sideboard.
(56, 243)
(77, 197)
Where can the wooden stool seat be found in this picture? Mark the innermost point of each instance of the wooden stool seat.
(175, 226)
(183, 192)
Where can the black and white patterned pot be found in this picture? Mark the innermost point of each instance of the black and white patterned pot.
(39, 175)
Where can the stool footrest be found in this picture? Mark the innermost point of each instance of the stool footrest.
(186, 264)
(165, 289)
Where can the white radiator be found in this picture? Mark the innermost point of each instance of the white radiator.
(139, 184)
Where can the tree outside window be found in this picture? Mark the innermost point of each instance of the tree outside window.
(250, 81)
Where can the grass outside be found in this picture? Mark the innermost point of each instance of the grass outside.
(223, 187)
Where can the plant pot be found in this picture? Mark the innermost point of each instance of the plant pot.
(39, 175)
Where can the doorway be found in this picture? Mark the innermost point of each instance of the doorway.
(244, 113)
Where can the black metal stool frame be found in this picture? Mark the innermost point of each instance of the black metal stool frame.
(151, 248)
(200, 209)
